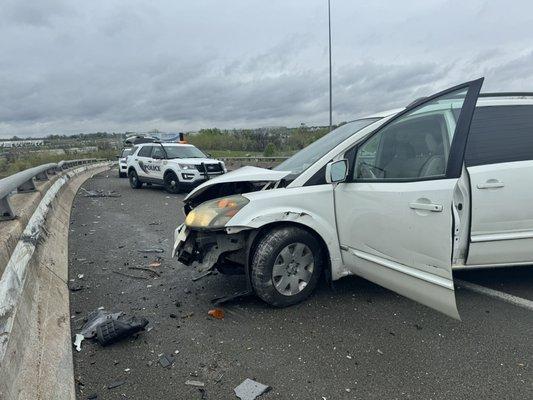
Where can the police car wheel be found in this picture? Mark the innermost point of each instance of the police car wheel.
(135, 183)
(172, 183)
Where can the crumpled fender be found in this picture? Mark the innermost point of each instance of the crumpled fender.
(291, 206)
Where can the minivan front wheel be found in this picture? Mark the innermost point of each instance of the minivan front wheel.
(286, 266)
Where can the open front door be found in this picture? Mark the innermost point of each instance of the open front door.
(394, 213)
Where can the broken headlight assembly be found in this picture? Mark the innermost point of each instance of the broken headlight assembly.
(215, 213)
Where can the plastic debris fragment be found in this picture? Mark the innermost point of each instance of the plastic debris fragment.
(250, 389)
(216, 313)
(77, 342)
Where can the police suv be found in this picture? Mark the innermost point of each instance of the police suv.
(176, 166)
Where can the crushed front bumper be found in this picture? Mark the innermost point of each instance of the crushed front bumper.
(205, 250)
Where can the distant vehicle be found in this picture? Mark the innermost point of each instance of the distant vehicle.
(122, 163)
(178, 167)
(399, 198)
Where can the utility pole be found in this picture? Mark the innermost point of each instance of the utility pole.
(330, 90)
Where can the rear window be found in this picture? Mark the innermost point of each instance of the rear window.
(500, 134)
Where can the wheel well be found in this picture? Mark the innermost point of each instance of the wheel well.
(168, 171)
(131, 169)
(264, 229)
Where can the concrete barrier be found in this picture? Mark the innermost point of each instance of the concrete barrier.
(35, 343)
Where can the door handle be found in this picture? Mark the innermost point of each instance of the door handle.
(426, 206)
(491, 184)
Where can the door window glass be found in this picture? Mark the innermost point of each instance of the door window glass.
(414, 146)
(145, 151)
(158, 152)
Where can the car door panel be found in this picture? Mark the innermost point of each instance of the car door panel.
(502, 213)
(383, 248)
(394, 217)
(143, 159)
(499, 160)
(157, 161)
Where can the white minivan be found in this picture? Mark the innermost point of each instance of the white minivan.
(400, 198)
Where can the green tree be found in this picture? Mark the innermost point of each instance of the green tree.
(270, 150)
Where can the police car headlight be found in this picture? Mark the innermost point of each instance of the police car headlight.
(215, 213)
(187, 166)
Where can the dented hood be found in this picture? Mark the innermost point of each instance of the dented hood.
(244, 174)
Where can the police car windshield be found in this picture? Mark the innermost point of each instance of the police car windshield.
(183, 152)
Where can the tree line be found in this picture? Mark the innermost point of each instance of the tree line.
(269, 141)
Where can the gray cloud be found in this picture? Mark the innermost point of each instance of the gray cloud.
(112, 65)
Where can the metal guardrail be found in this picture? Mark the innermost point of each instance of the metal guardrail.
(24, 181)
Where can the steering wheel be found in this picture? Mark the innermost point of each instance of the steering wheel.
(367, 170)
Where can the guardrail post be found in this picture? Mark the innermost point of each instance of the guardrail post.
(28, 186)
(6, 212)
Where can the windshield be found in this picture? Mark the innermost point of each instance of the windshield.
(126, 152)
(183, 152)
(316, 150)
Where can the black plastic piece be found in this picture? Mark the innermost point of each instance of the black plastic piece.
(112, 331)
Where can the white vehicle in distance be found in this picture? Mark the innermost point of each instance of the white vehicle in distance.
(123, 163)
(400, 198)
(178, 167)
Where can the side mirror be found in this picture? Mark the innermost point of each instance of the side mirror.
(336, 171)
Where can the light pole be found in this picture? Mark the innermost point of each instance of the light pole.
(330, 91)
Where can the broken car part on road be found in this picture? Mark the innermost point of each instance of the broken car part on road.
(109, 327)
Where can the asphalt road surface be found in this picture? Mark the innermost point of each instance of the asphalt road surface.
(358, 341)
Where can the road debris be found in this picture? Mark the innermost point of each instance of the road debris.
(197, 278)
(217, 301)
(115, 384)
(203, 393)
(95, 318)
(111, 331)
(77, 342)
(75, 287)
(100, 193)
(217, 313)
(250, 390)
(147, 270)
(194, 383)
(152, 250)
(129, 275)
(155, 263)
(166, 360)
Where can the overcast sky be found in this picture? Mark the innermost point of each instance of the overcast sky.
(82, 66)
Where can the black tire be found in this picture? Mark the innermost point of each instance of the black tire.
(172, 183)
(135, 183)
(266, 253)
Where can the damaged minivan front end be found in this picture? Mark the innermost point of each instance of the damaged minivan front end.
(204, 241)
